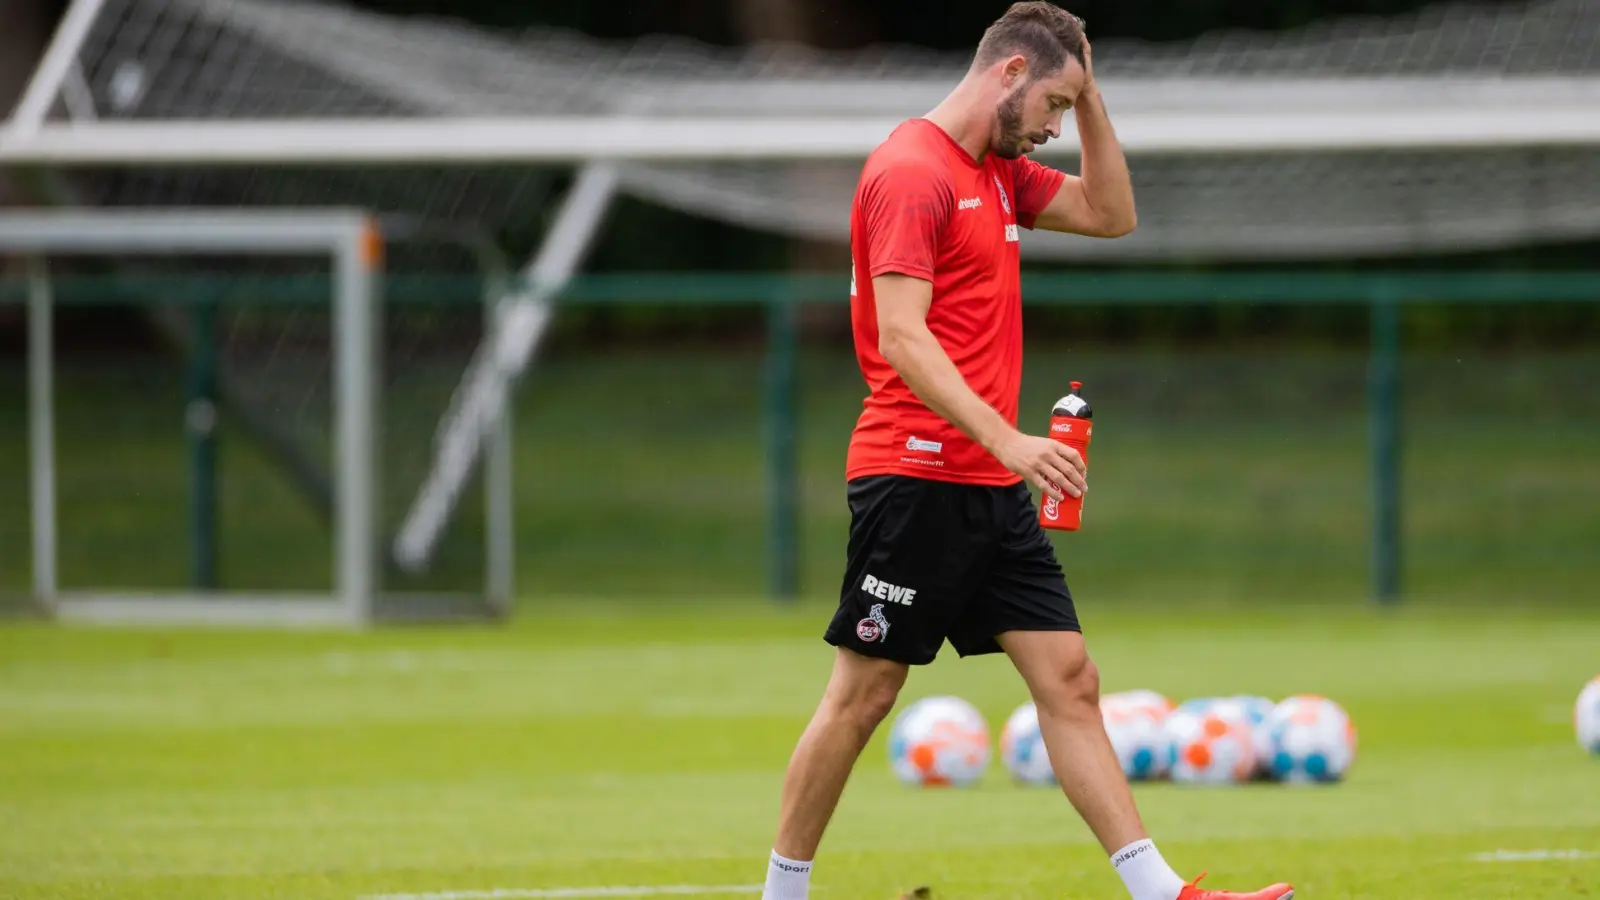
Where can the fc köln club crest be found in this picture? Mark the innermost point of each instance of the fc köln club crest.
(875, 627)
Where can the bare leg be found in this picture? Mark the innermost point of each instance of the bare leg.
(1065, 686)
(860, 692)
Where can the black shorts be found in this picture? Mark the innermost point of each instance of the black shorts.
(933, 560)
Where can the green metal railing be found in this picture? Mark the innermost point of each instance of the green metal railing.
(1383, 293)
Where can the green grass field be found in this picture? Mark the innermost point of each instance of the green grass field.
(623, 744)
(631, 726)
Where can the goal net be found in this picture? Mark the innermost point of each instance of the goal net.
(1458, 127)
(1462, 127)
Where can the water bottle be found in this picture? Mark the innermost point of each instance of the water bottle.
(1070, 423)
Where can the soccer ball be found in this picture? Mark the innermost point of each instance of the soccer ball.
(1586, 716)
(1258, 709)
(1135, 725)
(1198, 705)
(1311, 739)
(1022, 748)
(1152, 700)
(939, 741)
(1210, 743)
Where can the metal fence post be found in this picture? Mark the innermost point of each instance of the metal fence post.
(781, 409)
(1383, 400)
(201, 428)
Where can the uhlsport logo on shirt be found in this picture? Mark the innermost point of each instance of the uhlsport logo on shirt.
(969, 203)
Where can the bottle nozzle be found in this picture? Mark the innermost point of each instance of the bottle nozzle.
(1075, 385)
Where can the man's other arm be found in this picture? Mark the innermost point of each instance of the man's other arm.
(916, 355)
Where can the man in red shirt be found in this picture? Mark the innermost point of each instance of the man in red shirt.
(944, 540)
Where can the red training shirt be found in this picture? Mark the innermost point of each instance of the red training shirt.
(925, 208)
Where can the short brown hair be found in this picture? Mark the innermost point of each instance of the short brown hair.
(1044, 33)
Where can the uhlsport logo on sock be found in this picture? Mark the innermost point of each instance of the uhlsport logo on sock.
(875, 627)
(787, 865)
(1129, 854)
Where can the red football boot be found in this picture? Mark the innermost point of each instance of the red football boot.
(1192, 891)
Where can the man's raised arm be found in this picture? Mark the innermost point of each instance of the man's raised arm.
(1100, 202)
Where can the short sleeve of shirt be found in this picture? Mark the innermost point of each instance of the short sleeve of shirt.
(1036, 186)
(905, 206)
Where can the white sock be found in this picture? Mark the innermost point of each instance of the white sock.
(787, 879)
(1146, 874)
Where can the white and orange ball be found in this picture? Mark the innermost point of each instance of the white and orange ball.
(1586, 716)
(939, 742)
(1210, 743)
(1135, 723)
(1147, 699)
(1022, 749)
(1311, 739)
(1258, 709)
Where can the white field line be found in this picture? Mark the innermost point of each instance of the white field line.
(1534, 855)
(577, 892)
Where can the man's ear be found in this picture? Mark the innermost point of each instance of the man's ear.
(1014, 71)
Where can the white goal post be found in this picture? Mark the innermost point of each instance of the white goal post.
(352, 243)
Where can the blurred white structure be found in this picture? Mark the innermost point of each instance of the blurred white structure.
(1461, 127)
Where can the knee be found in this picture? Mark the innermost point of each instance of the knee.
(1086, 683)
(1074, 690)
(875, 703)
(866, 698)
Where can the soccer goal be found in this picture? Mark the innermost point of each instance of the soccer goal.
(290, 358)
(1357, 139)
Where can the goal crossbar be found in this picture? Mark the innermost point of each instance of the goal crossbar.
(623, 138)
